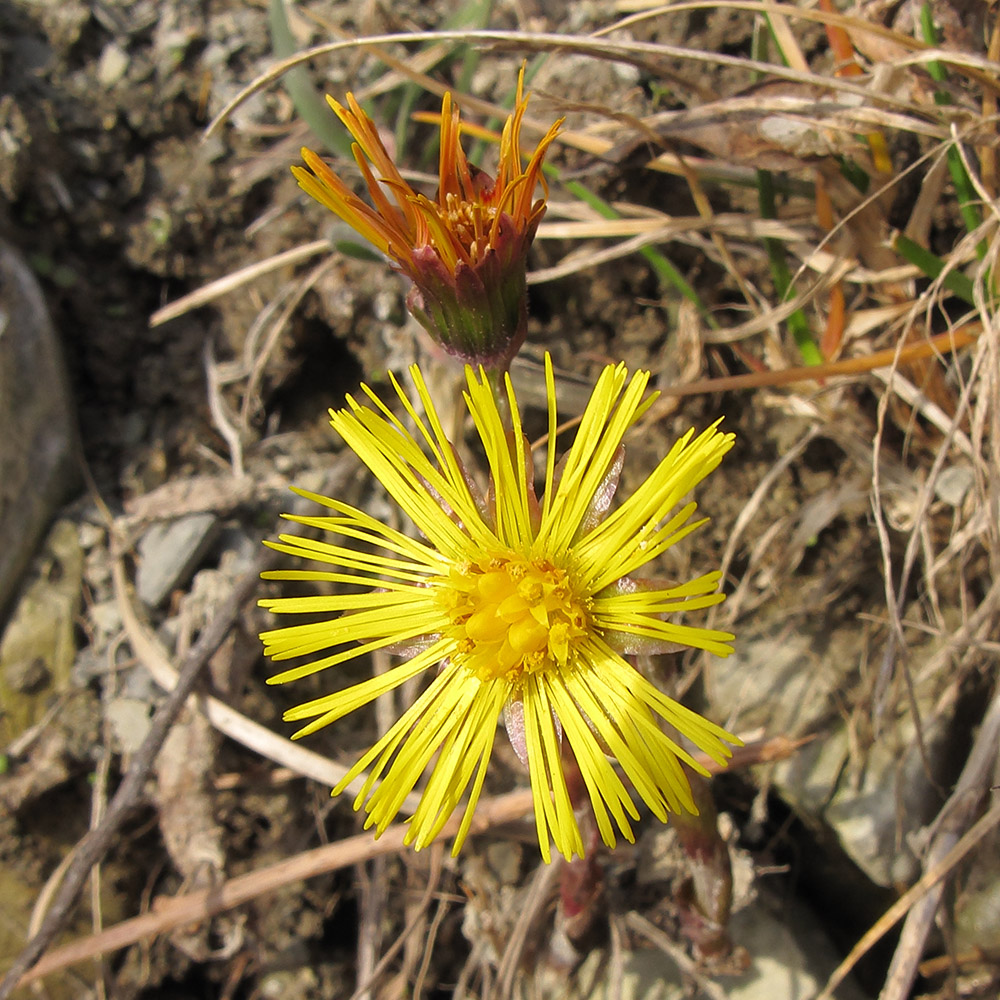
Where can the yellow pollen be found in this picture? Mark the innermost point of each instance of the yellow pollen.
(511, 616)
(469, 222)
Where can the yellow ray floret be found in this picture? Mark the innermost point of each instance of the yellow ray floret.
(513, 604)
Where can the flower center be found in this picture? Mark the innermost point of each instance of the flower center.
(512, 616)
(469, 222)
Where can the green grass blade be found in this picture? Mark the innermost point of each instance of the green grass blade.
(667, 274)
(933, 266)
(798, 323)
(309, 105)
(964, 188)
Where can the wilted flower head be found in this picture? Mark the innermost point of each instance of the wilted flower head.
(465, 250)
(517, 609)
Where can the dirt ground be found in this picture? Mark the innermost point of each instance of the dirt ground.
(855, 520)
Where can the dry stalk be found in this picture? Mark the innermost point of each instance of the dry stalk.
(955, 816)
(931, 877)
(620, 50)
(194, 907)
(230, 282)
(895, 640)
(417, 920)
(538, 895)
(252, 391)
(95, 844)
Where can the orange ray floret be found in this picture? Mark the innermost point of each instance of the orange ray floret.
(465, 250)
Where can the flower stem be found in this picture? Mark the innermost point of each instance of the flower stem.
(581, 881)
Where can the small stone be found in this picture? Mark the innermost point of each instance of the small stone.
(170, 553)
(386, 306)
(91, 535)
(106, 617)
(130, 721)
(112, 66)
(953, 484)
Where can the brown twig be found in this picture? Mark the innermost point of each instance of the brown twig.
(168, 914)
(931, 877)
(954, 817)
(96, 843)
(180, 910)
(943, 343)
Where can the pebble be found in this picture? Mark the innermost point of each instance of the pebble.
(130, 721)
(112, 66)
(91, 535)
(170, 553)
(953, 484)
(106, 617)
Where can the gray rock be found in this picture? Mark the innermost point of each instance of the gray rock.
(953, 484)
(38, 646)
(873, 793)
(790, 959)
(38, 441)
(170, 553)
(790, 955)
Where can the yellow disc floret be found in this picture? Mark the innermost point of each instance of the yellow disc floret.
(511, 616)
(515, 606)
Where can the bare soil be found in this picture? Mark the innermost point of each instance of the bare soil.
(110, 190)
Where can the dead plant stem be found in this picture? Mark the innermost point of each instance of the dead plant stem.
(96, 843)
(931, 877)
(954, 817)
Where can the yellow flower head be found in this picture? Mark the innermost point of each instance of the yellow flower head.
(465, 250)
(521, 610)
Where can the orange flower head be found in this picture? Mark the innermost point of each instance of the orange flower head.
(465, 250)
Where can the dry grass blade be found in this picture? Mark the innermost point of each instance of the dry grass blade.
(258, 366)
(952, 433)
(646, 9)
(954, 816)
(902, 906)
(748, 515)
(229, 283)
(197, 906)
(537, 896)
(599, 48)
(416, 921)
(225, 719)
(666, 227)
(932, 347)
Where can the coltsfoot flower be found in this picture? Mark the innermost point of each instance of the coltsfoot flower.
(465, 250)
(517, 609)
